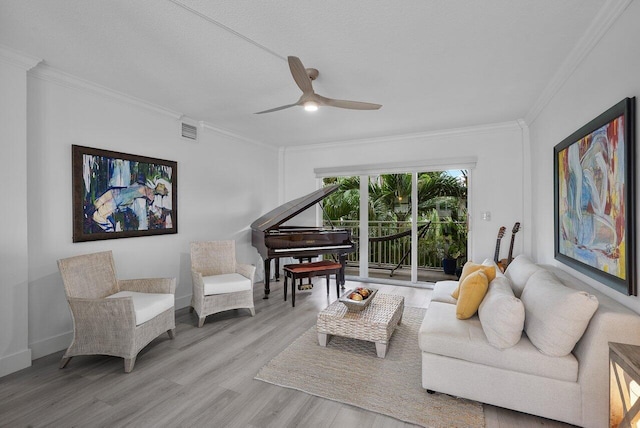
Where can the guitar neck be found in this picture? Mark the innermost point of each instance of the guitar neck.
(513, 238)
(496, 256)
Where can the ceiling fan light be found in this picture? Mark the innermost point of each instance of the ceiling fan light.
(311, 106)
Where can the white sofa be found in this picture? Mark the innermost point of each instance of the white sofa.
(457, 358)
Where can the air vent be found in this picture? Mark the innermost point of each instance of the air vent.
(189, 131)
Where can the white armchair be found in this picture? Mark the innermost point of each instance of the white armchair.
(219, 282)
(111, 316)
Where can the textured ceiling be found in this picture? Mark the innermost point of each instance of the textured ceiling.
(432, 64)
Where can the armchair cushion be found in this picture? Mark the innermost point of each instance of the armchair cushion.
(147, 305)
(225, 283)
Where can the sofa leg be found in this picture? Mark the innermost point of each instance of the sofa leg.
(430, 391)
(201, 321)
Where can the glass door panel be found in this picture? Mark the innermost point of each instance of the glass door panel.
(390, 226)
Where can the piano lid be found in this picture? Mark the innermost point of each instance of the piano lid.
(279, 215)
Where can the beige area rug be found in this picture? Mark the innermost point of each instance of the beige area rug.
(348, 371)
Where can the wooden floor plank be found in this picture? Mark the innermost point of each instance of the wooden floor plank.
(204, 377)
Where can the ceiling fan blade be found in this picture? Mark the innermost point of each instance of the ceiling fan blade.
(353, 105)
(300, 75)
(276, 109)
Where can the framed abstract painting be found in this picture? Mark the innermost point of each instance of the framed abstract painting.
(594, 189)
(119, 195)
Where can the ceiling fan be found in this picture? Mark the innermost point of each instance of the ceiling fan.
(309, 99)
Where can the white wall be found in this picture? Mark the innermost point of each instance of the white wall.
(224, 183)
(14, 351)
(607, 75)
(497, 183)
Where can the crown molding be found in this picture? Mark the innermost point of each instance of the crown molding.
(50, 74)
(18, 59)
(603, 21)
(226, 132)
(470, 130)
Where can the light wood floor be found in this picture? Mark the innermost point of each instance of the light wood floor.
(203, 378)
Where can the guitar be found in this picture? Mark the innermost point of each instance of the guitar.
(507, 261)
(496, 255)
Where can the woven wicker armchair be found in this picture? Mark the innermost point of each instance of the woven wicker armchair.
(219, 283)
(111, 316)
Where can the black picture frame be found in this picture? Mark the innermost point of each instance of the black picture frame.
(120, 195)
(594, 198)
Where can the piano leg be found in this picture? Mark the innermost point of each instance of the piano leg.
(277, 272)
(267, 276)
(340, 276)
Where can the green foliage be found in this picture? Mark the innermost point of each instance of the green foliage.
(452, 243)
(390, 196)
(345, 203)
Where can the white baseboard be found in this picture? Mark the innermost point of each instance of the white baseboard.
(14, 362)
(183, 302)
(49, 346)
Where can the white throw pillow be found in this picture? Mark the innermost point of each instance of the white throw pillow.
(501, 314)
(556, 316)
(519, 271)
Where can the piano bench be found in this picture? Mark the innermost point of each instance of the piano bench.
(309, 270)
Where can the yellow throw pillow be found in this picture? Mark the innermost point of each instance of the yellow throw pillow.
(468, 269)
(472, 291)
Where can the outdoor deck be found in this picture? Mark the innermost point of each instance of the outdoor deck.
(404, 274)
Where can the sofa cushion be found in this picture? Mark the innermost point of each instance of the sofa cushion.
(555, 316)
(442, 292)
(472, 291)
(519, 271)
(225, 283)
(443, 334)
(469, 268)
(147, 305)
(501, 314)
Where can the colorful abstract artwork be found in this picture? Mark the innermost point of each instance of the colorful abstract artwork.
(118, 195)
(594, 205)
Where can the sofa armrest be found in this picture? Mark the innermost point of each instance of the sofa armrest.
(148, 285)
(592, 353)
(246, 270)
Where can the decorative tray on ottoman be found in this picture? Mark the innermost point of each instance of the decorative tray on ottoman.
(357, 305)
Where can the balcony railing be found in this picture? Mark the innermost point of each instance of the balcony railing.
(388, 254)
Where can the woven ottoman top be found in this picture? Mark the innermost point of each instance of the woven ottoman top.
(375, 323)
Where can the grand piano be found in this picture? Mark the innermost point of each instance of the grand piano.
(274, 241)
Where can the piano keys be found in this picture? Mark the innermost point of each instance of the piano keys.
(274, 241)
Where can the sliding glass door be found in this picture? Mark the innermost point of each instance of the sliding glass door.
(409, 221)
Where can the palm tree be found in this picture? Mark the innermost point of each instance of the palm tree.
(389, 192)
(439, 189)
(344, 204)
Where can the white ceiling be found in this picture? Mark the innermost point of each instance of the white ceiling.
(432, 64)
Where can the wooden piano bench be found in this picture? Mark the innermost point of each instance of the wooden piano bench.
(309, 270)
